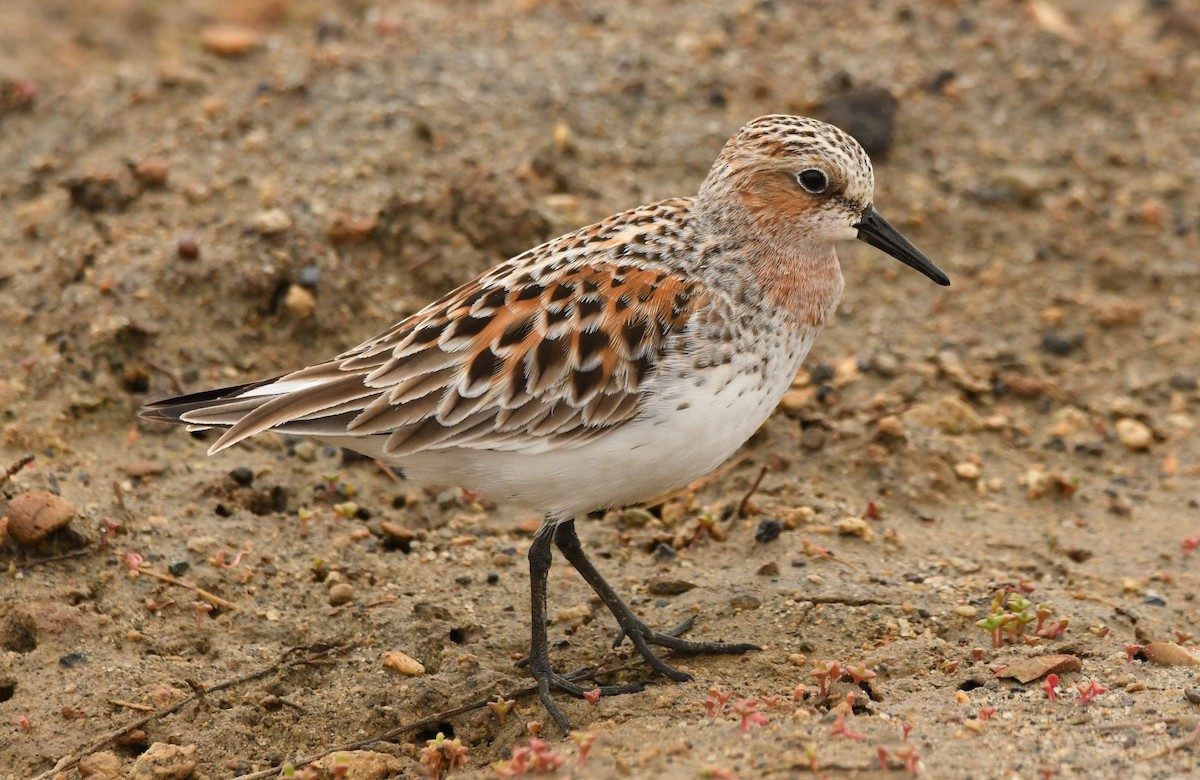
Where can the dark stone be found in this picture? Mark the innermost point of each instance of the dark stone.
(768, 531)
(71, 660)
(1058, 344)
(868, 114)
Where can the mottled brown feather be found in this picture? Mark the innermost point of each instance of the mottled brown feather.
(495, 365)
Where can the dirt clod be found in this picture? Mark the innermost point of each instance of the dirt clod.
(35, 514)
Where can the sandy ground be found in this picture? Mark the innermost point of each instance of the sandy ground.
(179, 214)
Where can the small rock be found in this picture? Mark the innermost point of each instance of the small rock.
(152, 171)
(745, 601)
(813, 438)
(669, 586)
(797, 399)
(868, 114)
(890, 427)
(228, 40)
(966, 611)
(636, 517)
(1192, 695)
(35, 514)
(397, 535)
(187, 247)
(949, 415)
(361, 765)
(1169, 654)
(968, 470)
(886, 365)
(103, 765)
(163, 761)
(403, 663)
(1121, 314)
(310, 277)
(768, 531)
(341, 593)
(300, 302)
(1184, 382)
(202, 545)
(242, 475)
(1021, 385)
(1058, 344)
(272, 222)
(855, 526)
(346, 229)
(1135, 435)
(574, 616)
(768, 569)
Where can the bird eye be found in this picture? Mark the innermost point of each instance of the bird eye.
(813, 181)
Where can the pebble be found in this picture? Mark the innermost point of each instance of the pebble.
(341, 593)
(163, 761)
(949, 415)
(1183, 382)
(202, 545)
(1135, 435)
(768, 531)
(669, 586)
(797, 399)
(968, 470)
(813, 438)
(300, 302)
(228, 40)
(966, 610)
(890, 427)
(397, 533)
(272, 222)
(574, 616)
(361, 765)
(35, 514)
(855, 526)
(310, 276)
(1060, 345)
(152, 171)
(347, 229)
(103, 765)
(1169, 654)
(403, 663)
(768, 569)
(187, 247)
(867, 113)
(886, 365)
(1192, 695)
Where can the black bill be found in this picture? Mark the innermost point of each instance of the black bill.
(879, 233)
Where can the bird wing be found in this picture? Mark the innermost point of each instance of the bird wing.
(538, 354)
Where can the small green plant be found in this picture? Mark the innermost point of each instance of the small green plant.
(501, 707)
(1011, 613)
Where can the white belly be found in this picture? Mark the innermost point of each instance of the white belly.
(686, 430)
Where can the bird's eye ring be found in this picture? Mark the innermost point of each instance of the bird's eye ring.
(813, 180)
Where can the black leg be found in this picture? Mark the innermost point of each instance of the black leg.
(638, 632)
(541, 555)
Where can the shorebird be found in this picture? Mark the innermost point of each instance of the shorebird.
(604, 367)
